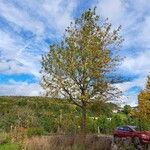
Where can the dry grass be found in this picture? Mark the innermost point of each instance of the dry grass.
(66, 142)
(77, 142)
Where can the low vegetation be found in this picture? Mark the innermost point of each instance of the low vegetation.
(42, 116)
(29, 118)
(9, 146)
(69, 142)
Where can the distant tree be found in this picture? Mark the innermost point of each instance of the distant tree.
(102, 108)
(127, 109)
(78, 68)
(144, 104)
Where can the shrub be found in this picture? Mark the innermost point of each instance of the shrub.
(4, 138)
(35, 131)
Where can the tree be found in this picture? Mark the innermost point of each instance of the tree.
(79, 67)
(127, 109)
(102, 108)
(144, 105)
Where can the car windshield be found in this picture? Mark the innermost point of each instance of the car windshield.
(134, 128)
(127, 128)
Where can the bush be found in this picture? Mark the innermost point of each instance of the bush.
(4, 138)
(104, 124)
(48, 123)
(35, 132)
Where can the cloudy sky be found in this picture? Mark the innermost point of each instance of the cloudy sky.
(27, 27)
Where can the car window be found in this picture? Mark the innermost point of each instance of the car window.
(127, 129)
(120, 128)
(135, 128)
(124, 128)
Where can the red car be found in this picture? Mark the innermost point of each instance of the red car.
(138, 137)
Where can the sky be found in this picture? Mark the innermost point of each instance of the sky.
(28, 27)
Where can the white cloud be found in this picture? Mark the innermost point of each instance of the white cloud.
(58, 14)
(144, 31)
(20, 18)
(8, 44)
(133, 16)
(20, 89)
(14, 56)
(39, 17)
(139, 64)
(114, 10)
(131, 98)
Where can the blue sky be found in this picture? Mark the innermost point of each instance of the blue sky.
(28, 27)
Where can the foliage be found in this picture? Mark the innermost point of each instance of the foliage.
(4, 138)
(80, 66)
(35, 132)
(102, 108)
(47, 116)
(48, 122)
(143, 112)
(17, 117)
(127, 109)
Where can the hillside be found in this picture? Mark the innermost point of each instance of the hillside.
(48, 115)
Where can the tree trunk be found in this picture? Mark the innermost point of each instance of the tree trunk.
(83, 120)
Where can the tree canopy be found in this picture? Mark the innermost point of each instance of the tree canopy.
(80, 67)
(144, 102)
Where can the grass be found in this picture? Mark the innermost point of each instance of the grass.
(69, 142)
(9, 146)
